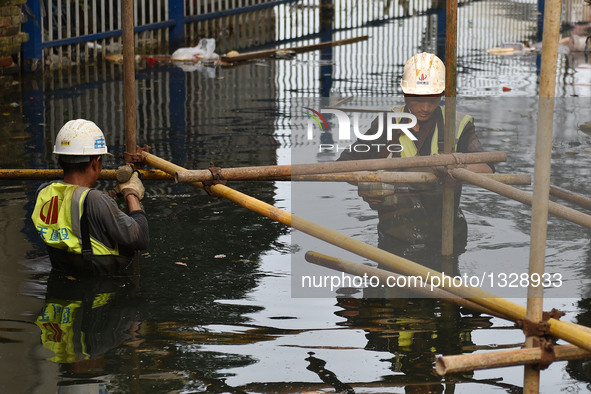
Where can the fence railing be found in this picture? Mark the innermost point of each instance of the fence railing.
(63, 32)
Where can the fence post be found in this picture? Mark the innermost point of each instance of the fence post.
(33, 49)
(176, 34)
(326, 16)
(441, 28)
(541, 9)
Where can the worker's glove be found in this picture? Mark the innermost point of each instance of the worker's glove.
(133, 186)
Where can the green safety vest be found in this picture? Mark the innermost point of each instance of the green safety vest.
(58, 218)
(409, 148)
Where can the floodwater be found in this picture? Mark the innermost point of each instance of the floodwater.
(216, 308)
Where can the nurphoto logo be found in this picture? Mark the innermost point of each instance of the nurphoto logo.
(387, 122)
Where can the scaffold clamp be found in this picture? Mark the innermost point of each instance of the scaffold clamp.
(136, 160)
(217, 178)
(540, 331)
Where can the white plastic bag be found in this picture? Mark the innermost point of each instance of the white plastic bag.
(204, 51)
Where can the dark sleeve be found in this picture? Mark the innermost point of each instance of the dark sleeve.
(469, 142)
(351, 154)
(109, 224)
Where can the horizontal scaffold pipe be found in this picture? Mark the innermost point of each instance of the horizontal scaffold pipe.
(359, 176)
(343, 166)
(521, 196)
(570, 332)
(403, 177)
(505, 358)
(49, 174)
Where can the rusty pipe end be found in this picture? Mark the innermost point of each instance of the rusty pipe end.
(178, 176)
(440, 366)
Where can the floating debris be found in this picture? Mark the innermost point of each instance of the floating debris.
(585, 128)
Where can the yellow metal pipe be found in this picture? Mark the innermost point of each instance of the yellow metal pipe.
(570, 332)
(49, 174)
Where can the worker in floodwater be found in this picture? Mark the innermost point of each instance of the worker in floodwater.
(410, 216)
(416, 329)
(85, 232)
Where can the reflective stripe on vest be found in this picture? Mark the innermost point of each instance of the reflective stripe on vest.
(409, 148)
(57, 215)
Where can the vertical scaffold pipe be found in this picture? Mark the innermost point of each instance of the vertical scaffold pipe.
(542, 167)
(129, 77)
(447, 231)
(129, 89)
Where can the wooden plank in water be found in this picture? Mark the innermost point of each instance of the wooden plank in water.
(301, 49)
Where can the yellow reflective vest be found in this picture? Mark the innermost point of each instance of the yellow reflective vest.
(409, 148)
(58, 219)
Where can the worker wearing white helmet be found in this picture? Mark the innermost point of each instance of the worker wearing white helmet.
(85, 231)
(423, 84)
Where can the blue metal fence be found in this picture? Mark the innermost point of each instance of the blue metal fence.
(79, 30)
(66, 32)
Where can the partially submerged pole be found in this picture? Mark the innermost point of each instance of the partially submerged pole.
(542, 176)
(448, 210)
(531, 356)
(542, 166)
(582, 201)
(360, 270)
(522, 196)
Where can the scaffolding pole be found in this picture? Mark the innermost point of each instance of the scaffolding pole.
(451, 21)
(129, 78)
(541, 192)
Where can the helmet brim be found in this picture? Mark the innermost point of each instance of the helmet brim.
(73, 159)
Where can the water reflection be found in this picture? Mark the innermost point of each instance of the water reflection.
(225, 320)
(82, 321)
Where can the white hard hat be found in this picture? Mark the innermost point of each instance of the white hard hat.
(79, 139)
(424, 73)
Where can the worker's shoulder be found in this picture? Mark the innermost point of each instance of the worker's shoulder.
(98, 200)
